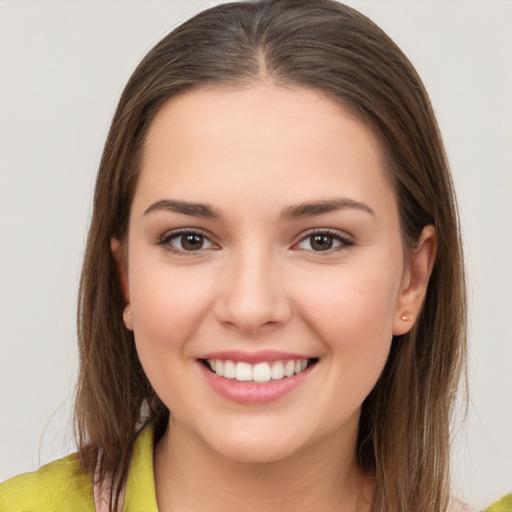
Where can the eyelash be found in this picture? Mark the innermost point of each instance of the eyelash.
(343, 241)
(165, 241)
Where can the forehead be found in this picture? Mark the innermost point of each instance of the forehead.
(259, 113)
(279, 141)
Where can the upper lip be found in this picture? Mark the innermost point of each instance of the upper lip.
(254, 357)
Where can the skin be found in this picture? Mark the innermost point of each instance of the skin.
(257, 282)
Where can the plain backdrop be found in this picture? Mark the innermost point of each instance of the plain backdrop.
(63, 64)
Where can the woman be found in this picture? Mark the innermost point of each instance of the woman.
(274, 258)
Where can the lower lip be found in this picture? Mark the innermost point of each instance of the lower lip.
(253, 393)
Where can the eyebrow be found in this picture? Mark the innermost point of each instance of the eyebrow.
(307, 209)
(185, 207)
(310, 209)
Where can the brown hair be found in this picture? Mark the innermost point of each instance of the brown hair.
(320, 44)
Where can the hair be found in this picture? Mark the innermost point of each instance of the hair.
(404, 432)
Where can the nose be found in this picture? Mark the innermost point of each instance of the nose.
(252, 295)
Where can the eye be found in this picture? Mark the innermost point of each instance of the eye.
(324, 241)
(186, 241)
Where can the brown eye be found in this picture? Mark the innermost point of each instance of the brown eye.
(186, 242)
(324, 241)
(321, 242)
(191, 241)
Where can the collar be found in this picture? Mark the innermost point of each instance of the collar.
(139, 492)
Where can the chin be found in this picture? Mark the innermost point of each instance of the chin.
(255, 453)
(253, 447)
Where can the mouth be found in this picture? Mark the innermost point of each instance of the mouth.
(260, 373)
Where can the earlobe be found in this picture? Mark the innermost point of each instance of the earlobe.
(415, 282)
(127, 317)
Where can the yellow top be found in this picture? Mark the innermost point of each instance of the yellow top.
(62, 487)
(503, 505)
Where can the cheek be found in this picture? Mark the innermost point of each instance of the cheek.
(352, 313)
(348, 299)
(167, 307)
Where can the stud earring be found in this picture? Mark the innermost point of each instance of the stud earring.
(407, 316)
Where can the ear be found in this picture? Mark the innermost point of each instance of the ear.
(118, 253)
(415, 281)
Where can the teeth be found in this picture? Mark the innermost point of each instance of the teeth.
(229, 369)
(277, 371)
(289, 368)
(260, 372)
(243, 372)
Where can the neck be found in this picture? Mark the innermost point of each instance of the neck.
(325, 477)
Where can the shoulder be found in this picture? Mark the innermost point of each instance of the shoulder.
(503, 505)
(58, 486)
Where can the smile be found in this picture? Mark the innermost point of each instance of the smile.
(256, 378)
(258, 373)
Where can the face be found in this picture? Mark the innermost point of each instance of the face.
(266, 274)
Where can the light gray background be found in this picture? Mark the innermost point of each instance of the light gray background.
(63, 64)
